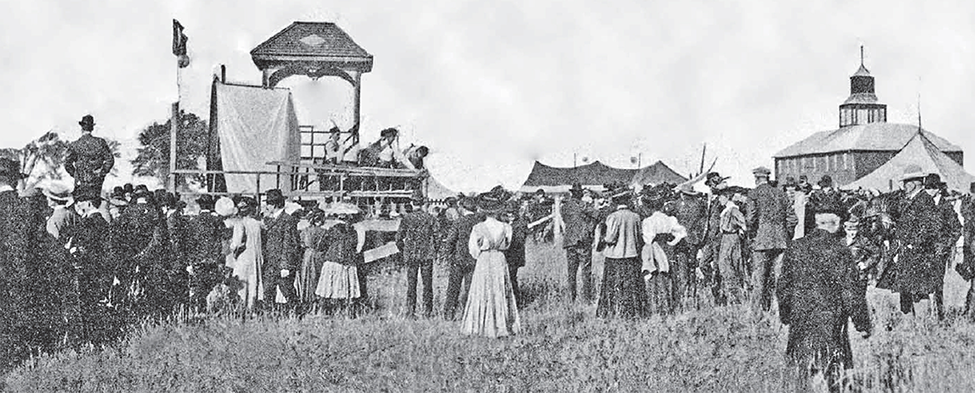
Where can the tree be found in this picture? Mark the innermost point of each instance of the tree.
(43, 158)
(153, 155)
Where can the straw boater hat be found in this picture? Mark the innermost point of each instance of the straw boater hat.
(342, 208)
(687, 189)
(913, 172)
(225, 207)
(59, 191)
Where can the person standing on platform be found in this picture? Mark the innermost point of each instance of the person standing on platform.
(89, 159)
(580, 222)
(415, 238)
(768, 214)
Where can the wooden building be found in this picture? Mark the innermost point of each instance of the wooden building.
(863, 142)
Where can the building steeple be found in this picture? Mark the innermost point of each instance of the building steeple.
(861, 107)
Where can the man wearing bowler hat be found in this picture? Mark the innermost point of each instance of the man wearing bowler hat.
(282, 250)
(89, 159)
(415, 238)
(768, 214)
(580, 222)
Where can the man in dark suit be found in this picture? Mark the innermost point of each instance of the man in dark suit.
(948, 233)
(89, 159)
(967, 266)
(415, 239)
(205, 233)
(580, 222)
(818, 294)
(768, 213)
(914, 275)
(282, 250)
(691, 213)
(89, 246)
(515, 254)
(457, 253)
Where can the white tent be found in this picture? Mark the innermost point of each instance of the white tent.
(918, 151)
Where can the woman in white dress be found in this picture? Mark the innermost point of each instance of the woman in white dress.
(246, 256)
(491, 307)
(661, 232)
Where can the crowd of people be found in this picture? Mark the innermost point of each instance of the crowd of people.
(813, 251)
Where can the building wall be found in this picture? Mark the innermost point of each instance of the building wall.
(839, 166)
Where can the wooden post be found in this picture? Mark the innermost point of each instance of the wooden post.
(356, 99)
(174, 127)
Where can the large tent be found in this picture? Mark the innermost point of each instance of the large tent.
(595, 175)
(921, 151)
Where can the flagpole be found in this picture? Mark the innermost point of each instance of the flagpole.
(174, 124)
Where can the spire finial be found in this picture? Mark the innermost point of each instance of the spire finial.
(919, 105)
(861, 55)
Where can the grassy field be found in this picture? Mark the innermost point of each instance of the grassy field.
(563, 348)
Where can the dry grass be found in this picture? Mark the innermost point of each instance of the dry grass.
(563, 348)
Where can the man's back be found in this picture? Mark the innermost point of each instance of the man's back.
(767, 212)
(692, 214)
(282, 243)
(415, 236)
(455, 244)
(579, 222)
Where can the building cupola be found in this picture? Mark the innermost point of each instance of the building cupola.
(861, 107)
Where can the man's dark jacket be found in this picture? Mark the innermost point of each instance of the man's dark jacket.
(282, 244)
(415, 237)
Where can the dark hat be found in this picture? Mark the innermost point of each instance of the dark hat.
(274, 197)
(621, 197)
(761, 171)
(467, 203)
(118, 191)
(715, 178)
(247, 204)
(127, 188)
(931, 181)
(166, 199)
(117, 197)
(576, 188)
(11, 168)
(790, 182)
(825, 181)
(87, 120)
(141, 191)
(389, 132)
(159, 196)
(490, 202)
(803, 179)
(206, 202)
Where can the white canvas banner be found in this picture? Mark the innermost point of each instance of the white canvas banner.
(256, 126)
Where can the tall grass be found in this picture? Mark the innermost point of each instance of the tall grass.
(562, 348)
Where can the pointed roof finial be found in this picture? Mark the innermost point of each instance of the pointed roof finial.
(861, 55)
(862, 71)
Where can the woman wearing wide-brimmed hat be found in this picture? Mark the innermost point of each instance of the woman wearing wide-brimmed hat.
(492, 310)
(338, 283)
(246, 256)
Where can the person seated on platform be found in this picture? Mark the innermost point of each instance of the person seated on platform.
(415, 155)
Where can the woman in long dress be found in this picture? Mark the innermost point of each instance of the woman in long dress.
(661, 232)
(311, 264)
(491, 307)
(246, 257)
(338, 284)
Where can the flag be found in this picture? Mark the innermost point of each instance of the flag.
(179, 44)
(179, 39)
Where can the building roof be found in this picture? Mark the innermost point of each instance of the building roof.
(919, 151)
(862, 71)
(863, 137)
(656, 174)
(312, 41)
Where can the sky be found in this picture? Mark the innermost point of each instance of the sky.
(491, 86)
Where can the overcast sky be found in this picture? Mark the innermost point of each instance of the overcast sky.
(491, 86)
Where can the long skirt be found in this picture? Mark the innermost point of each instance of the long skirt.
(338, 281)
(623, 293)
(491, 307)
(308, 276)
(730, 264)
(660, 294)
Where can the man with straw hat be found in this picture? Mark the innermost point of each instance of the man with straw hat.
(415, 239)
(63, 217)
(913, 271)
